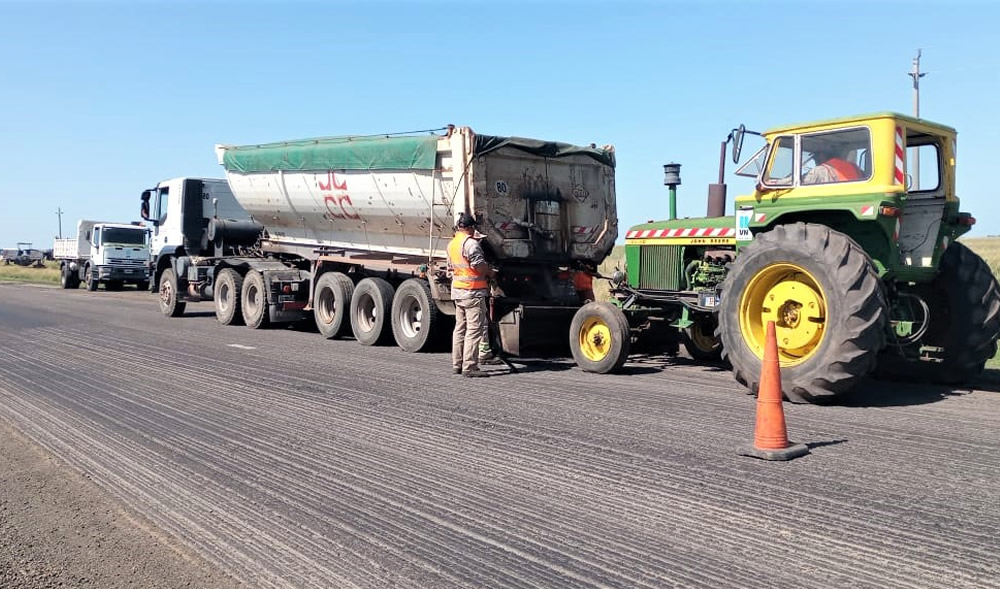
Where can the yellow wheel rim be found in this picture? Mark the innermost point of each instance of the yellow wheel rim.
(791, 297)
(595, 339)
(704, 339)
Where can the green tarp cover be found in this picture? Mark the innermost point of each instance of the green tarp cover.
(488, 143)
(336, 153)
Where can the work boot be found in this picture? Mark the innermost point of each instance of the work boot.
(457, 370)
(474, 373)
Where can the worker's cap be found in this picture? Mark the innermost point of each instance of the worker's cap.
(466, 221)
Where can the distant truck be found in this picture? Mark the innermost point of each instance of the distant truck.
(111, 253)
(352, 232)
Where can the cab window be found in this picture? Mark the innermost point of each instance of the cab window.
(919, 147)
(779, 172)
(836, 156)
(161, 204)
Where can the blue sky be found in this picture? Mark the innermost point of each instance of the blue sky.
(101, 100)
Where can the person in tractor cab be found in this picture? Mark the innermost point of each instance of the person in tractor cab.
(831, 164)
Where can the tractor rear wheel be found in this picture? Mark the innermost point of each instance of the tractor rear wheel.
(600, 338)
(820, 289)
(965, 316)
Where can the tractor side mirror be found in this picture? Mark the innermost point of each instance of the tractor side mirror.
(738, 142)
(144, 207)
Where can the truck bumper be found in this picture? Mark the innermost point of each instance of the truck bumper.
(139, 274)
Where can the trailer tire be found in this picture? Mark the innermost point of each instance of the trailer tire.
(227, 295)
(91, 281)
(253, 301)
(415, 316)
(600, 338)
(822, 287)
(371, 309)
(332, 304)
(170, 304)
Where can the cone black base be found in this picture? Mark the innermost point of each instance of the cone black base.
(792, 451)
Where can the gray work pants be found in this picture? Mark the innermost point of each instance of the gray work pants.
(470, 327)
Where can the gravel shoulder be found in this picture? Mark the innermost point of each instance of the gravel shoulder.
(59, 530)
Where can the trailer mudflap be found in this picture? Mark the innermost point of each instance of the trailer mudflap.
(536, 330)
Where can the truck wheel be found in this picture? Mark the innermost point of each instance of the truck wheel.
(415, 317)
(253, 297)
(600, 338)
(65, 278)
(91, 281)
(227, 292)
(170, 304)
(965, 316)
(333, 304)
(371, 307)
(820, 289)
(701, 342)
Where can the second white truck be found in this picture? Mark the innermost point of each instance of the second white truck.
(114, 254)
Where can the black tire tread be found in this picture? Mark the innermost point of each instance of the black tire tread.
(432, 317)
(850, 351)
(385, 291)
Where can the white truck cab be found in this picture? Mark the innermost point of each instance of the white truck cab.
(111, 253)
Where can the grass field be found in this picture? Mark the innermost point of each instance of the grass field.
(47, 275)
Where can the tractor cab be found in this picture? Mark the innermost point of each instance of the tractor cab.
(886, 180)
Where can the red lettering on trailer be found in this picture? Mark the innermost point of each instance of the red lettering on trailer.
(338, 206)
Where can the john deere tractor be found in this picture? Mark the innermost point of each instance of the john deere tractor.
(843, 244)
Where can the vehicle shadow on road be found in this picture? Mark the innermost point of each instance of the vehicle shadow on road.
(650, 363)
(887, 393)
(193, 314)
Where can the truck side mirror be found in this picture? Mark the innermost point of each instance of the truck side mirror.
(144, 207)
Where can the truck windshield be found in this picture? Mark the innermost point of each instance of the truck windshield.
(124, 236)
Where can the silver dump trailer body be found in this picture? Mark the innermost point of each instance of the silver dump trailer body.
(536, 201)
(352, 232)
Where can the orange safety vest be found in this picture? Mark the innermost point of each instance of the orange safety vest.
(464, 276)
(844, 170)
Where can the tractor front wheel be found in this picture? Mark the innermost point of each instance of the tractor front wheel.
(599, 337)
(820, 289)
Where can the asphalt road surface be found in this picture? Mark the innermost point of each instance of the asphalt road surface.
(285, 460)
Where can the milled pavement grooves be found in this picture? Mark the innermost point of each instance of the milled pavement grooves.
(308, 463)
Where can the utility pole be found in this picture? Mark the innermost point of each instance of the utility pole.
(59, 213)
(916, 75)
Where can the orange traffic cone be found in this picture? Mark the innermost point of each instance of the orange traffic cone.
(770, 438)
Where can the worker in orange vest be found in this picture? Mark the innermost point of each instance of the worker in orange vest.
(583, 283)
(469, 290)
(831, 167)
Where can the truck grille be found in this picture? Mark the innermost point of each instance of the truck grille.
(660, 267)
(126, 263)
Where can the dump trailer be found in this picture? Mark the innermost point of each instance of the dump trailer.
(114, 254)
(352, 233)
(842, 245)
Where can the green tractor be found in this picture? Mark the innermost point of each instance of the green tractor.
(842, 244)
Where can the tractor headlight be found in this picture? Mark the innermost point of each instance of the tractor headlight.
(617, 278)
